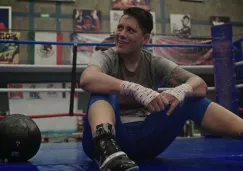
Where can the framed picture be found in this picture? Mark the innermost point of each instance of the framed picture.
(193, 0)
(5, 18)
(122, 4)
(180, 25)
(9, 52)
(59, 0)
(86, 20)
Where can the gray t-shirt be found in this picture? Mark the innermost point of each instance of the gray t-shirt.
(152, 72)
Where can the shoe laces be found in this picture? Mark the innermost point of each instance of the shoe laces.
(109, 146)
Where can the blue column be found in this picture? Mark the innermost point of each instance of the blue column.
(238, 56)
(224, 68)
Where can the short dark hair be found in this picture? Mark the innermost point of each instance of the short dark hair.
(186, 17)
(144, 18)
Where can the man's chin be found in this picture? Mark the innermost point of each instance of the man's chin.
(121, 50)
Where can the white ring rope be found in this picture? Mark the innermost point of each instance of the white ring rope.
(39, 90)
(39, 68)
(76, 90)
(26, 67)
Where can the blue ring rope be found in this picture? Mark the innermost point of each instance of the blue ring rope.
(101, 44)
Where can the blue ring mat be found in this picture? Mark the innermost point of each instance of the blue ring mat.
(184, 154)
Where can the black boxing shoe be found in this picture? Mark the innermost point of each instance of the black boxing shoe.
(109, 157)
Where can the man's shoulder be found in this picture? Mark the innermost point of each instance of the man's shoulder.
(155, 59)
(149, 55)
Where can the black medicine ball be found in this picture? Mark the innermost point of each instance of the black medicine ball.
(20, 138)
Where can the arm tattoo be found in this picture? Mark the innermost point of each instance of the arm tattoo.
(179, 76)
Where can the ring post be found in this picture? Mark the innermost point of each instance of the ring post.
(238, 56)
(239, 70)
(73, 75)
(224, 70)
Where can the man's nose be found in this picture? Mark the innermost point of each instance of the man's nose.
(123, 33)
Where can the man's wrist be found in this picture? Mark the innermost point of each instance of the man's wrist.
(181, 91)
(141, 94)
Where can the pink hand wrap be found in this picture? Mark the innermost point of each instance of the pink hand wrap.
(180, 92)
(141, 94)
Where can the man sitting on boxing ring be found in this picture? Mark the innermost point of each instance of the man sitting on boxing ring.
(127, 119)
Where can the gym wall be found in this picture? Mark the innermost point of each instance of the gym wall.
(28, 15)
(57, 17)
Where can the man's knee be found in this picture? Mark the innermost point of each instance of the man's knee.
(96, 97)
(195, 102)
(112, 99)
(195, 108)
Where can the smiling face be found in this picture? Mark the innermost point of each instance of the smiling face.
(88, 23)
(129, 36)
(186, 21)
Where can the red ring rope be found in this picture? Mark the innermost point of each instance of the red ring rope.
(51, 115)
(36, 116)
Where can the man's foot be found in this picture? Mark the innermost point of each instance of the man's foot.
(109, 157)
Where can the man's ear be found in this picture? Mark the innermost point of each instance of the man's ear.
(146, 38)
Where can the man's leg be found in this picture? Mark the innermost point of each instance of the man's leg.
(220, 121)
(101, 126)
(91, 121)
(159, 130)
(216, 119)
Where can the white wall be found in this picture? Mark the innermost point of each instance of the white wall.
(46, 104)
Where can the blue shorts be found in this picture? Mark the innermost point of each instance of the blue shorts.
(147, 139)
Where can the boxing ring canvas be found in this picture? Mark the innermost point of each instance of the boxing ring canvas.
(184, 154)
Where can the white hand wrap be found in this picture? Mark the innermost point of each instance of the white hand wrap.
(180, 92)
(141, 94)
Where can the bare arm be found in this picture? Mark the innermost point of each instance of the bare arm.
(180, 76)
(95, 81)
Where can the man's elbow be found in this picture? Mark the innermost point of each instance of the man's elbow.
(204, 87)
(88, 76)
(85, 79)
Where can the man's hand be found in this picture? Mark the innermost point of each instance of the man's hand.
(158, 104)
(171, 100)
(153, 100)
(177, 95)
(146, 96)
(95, 15)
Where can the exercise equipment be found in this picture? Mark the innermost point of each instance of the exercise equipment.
(20, 138)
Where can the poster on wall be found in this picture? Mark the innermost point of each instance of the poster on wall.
(86, 20)
(115, 16)
(61, 0)
(47, 54)
(9, 52)
(84, 53)
(184, 56)
(15, 95)
(122, 4)
(5, 18)
(218, 20)
(180, 25)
